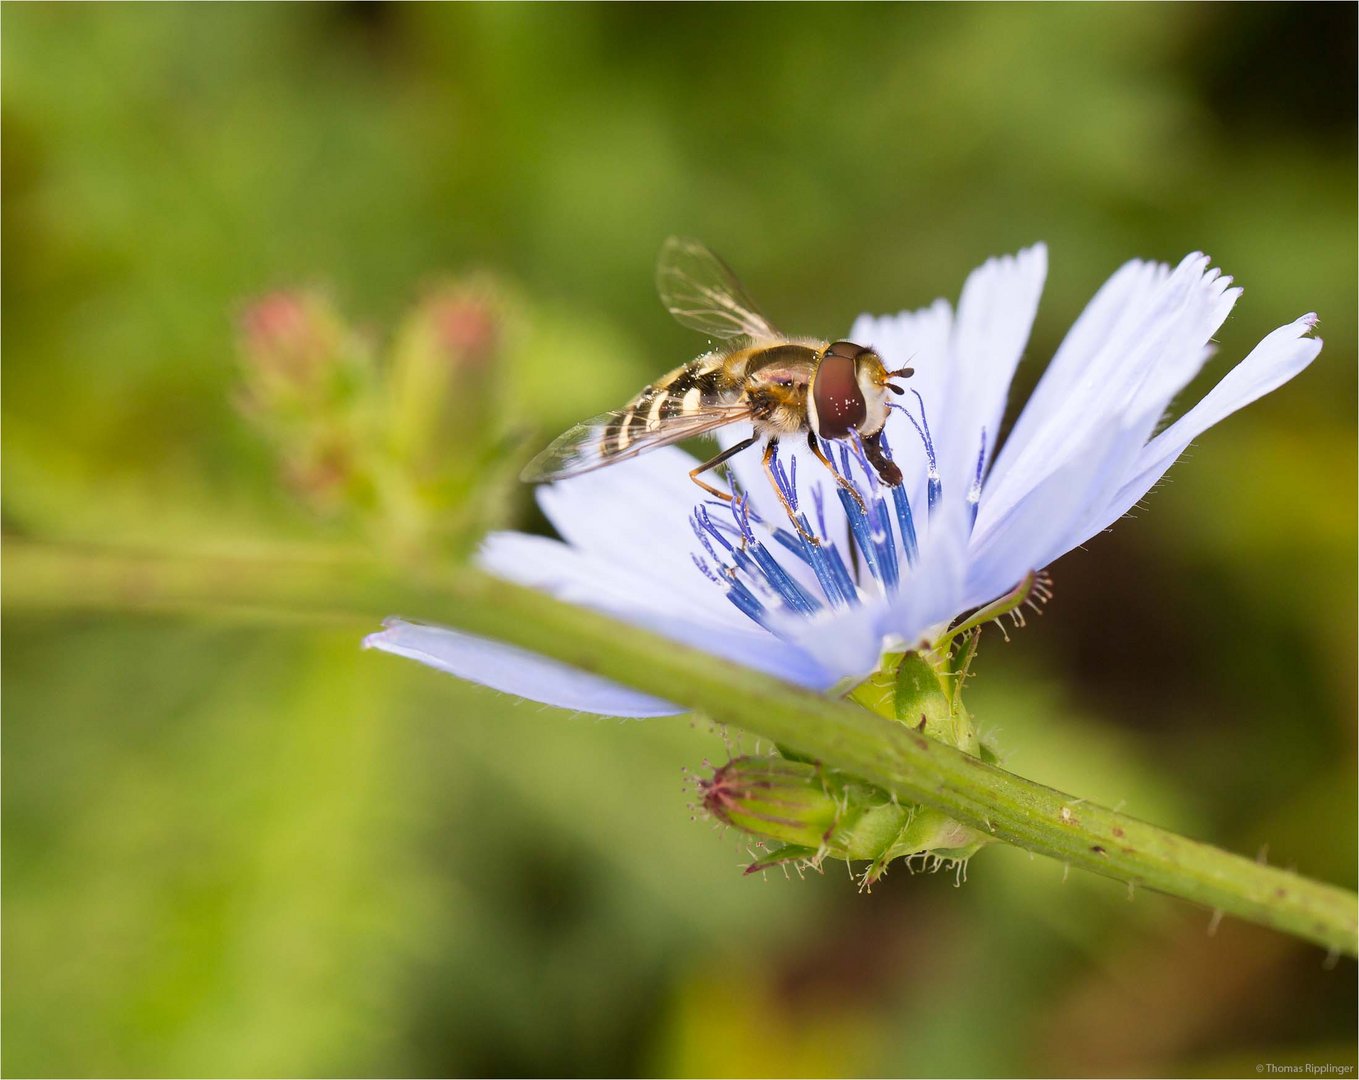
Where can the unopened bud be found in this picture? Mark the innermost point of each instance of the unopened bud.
(293, 345)
(774, 798)
(443, 385)
(308, 387)
(814, 814)
(468, 327)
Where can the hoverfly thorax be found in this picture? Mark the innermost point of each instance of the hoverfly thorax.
(779, 385)
(848, 392)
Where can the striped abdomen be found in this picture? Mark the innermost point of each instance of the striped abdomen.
(770, 381)
(697, 386)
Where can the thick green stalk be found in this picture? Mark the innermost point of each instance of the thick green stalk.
(843, 736)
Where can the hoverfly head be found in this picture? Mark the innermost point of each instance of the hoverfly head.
(849, 391)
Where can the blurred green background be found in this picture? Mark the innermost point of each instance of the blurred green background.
(251, 849)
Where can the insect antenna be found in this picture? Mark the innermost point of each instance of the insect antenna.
(900, 373)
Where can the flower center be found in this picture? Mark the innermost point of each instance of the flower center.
(837, 563)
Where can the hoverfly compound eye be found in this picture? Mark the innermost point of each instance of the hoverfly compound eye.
(836, 403)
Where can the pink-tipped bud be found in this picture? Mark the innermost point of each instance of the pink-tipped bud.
(443, 378)
(308, 386)
(468, 326)
(811, 814)
(773, 798)
(289, 340)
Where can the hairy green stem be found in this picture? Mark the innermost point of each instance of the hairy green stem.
(843, 736)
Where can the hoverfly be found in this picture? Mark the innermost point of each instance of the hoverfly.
(780, 385)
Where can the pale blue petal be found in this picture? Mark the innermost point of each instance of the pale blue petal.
(1280, 356)
(634, 514)
(917, 339)
(1115, 307)
(845, 642)
(592, 580)
(565, 574)
(1043, 526)
(995, 314)
(1156, 345)
(513, 671)
(932, 593)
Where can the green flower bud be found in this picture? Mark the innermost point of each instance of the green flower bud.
(307, 385)
(774, 798)
(411, 442)
(812, 814)
(298, 355)
(444, 377)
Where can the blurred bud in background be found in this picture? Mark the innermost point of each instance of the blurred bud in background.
(292, 342)
(413, 442)
(308, 383)
(447, 413)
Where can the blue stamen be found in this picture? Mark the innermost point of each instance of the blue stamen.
(830, 572)
(844, 463)
(819, 500)
(880, 524)
(792, 542)
(785, 487)
(906, 524)
(934, 491)
(702, 538)
(887, 548)
(848, 590)
(753, 560)
(859, 529)
(902, 504)
(870, 474)
(740, 514)
(706, 570)
(925, 420)
(703, 528)
(742, 597)
(793, 594)
(756, 561)
(875, 554)
(935, 487)
(974, 492)
(756, 582)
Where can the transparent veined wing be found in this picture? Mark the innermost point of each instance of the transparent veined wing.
(700, 290)
(623, 434)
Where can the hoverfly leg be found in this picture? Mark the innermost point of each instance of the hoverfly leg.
(821, 457)
(718, 460)
(886, 468)
(783, 499)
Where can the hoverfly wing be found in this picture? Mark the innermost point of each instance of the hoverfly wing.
(700, 291)
(620, 435)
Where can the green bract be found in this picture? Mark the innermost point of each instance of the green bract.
(810, 813)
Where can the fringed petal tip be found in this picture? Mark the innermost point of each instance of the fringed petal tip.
(375, 640)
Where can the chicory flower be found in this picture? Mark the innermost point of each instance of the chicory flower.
(896, 568)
